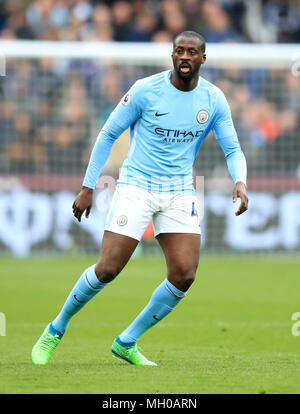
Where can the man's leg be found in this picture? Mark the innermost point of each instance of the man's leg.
(182, 256)
(182, 252)
(115, 253)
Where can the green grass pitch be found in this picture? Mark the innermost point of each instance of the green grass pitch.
(231, 334)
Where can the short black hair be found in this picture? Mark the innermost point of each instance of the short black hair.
(190, 33)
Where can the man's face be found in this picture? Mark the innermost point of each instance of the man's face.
(187, 57)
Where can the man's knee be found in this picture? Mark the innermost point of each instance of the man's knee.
(106, 272)
(182, 276)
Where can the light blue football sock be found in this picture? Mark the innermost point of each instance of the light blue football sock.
(162, 302)
(85, 289)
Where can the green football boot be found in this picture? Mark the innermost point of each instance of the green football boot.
(44, 348)
(131, 355)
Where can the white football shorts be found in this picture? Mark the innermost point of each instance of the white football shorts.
(132, 208)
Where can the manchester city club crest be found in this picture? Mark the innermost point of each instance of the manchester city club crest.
(122, 220)
(202, 116)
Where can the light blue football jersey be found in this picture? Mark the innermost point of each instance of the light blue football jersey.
(167, 127)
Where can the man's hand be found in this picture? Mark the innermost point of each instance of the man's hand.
(83, 202)
(240, 191)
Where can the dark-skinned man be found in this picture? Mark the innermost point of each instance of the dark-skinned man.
(169, 115)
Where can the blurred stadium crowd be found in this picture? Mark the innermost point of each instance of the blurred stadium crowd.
(51, 110)
(151, 20)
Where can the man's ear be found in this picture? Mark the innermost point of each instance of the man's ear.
(203, 58)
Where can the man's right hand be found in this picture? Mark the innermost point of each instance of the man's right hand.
(83, 202)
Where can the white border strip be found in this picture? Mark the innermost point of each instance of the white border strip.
(218, 54)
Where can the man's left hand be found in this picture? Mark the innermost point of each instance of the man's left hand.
(240, 191)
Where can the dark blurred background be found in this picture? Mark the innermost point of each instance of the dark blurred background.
(151, 20)
(51, 110)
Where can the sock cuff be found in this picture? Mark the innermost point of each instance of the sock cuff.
(173, 289)
(54, 331)
(125, 344)
(92, 279)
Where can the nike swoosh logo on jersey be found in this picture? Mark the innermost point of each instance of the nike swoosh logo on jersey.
(157, 114)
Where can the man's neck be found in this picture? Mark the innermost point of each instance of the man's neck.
(184, 85)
